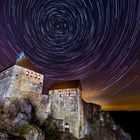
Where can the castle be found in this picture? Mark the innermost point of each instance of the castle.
(64, 101)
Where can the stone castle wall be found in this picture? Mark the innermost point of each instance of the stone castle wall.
(66, 106)
(17, 81)
(5, 81)
(25, 81)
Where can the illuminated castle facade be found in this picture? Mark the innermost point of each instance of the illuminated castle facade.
(66, 105)
(63, 103)
(20, 79)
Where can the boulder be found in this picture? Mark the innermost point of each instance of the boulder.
(31, 132)
(4, 136)
(15, 114)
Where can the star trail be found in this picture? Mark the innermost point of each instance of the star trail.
(96, 41)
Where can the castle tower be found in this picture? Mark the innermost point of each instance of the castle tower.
(24, 77)
(66, 105)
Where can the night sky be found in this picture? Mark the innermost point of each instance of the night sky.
(96, 41)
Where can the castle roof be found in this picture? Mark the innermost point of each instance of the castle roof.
(20, 56)
(66, 85)
(26, 63)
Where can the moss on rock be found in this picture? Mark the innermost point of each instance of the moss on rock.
(30, 132)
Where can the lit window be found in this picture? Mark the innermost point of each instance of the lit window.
(39, 77)
(31, 74)
(7, 72)
(66, 127)
(36, 76)
(27, 73)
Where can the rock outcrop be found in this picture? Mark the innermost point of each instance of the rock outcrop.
(18, 121)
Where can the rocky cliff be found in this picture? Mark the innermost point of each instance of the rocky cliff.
(27, 119)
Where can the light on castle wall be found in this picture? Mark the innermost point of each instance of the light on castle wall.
(36, 76)
(27, 73)
(7, 72)
(31, 75)
(66, 127)
(39, 77)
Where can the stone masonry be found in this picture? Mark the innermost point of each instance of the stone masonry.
(63, 103)
(17, 81)
(66, 105)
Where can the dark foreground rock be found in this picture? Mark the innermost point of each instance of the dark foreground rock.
(19, 122)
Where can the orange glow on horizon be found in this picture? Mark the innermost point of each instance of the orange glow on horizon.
(130, 103)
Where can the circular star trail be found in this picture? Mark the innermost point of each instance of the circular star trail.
(96, 41)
